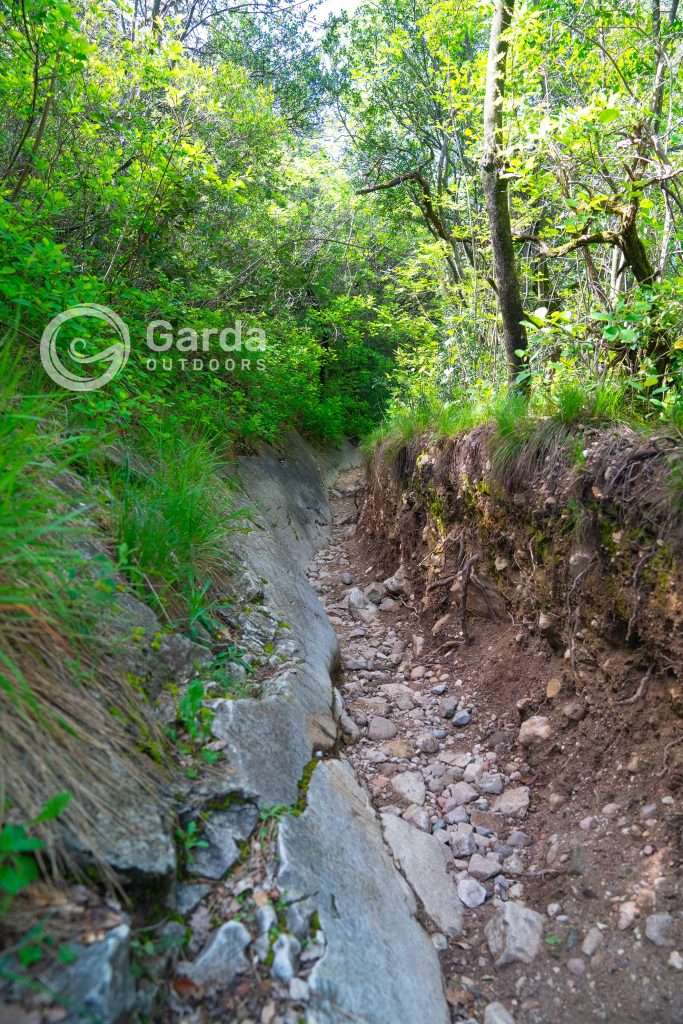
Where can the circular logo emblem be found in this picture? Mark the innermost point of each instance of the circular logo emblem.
(115, 356)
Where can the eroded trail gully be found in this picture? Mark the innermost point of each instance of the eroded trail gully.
(546, 905)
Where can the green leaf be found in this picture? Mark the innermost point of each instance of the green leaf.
(14, 839)
(54, 807)
(18, 876)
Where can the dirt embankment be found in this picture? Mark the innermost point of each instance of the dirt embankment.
(576, 540)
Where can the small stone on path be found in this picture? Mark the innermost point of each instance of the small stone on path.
(495, 1013)
(381, 729)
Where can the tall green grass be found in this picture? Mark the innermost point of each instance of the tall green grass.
(58, 704)
(431, 419)
(173, 524)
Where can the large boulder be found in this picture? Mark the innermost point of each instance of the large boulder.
(424, 862)
(380, 965)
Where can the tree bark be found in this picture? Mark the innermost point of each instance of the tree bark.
(496, 192)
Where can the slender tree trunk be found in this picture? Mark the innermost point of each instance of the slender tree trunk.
(496, 193)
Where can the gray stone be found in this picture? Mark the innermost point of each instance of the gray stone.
(514, 934)
(457, 816)
(222, 831)
(188, 895)
(375, 592)
(461, 793)
(221, 960)
(424, 862)
(473, 771)
(381, 729)
(286, 949)
(409, 786)
(427, 743)
(462, 844)
(490, 783)
(99, 984)
(518, 839)
(658, 929)
(576, 966)
(495, 1013)
(288, 724)
(484, 867)
(592, 942)
(335, 850)
(462, 718)
(514, 803)
(148, 852)
(471, 892)
(448, 707)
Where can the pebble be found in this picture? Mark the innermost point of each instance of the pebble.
(518, 839)
(514, 934)
(428, 743)
(627, 915)
(513, 802)
(484, 867)
(676, 961)
(592, 942)
(381, 729)
(462, 718)
(658, 929)
(409, 786)
(471, 893)
(440, 942)
(535, 730)
(463, 844)
(456, 816)
(491, 783)
(461, 793)
(495, 1013)
(448, 707)
(576, 966)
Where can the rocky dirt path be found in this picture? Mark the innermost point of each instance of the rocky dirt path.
(547, 905)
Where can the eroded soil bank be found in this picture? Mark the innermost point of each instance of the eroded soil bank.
(544, 753)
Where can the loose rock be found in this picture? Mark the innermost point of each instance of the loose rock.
(471, 892)
(381, 729)
(424, 862)
(535, 730)
(514, 934)
(495, 1013)
(658, 929)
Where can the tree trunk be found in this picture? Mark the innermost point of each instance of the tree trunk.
(496, 193)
